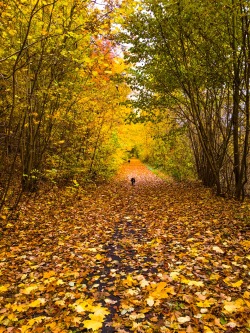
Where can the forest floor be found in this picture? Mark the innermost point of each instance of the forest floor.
(155, 257)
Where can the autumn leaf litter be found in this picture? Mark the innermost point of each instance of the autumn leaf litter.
(155, 257)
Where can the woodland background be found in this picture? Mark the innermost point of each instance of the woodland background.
(84, 87)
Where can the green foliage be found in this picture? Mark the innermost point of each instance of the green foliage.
(181, 64)
(169, 151)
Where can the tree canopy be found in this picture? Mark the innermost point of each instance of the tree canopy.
(71, 73)
(192, 57)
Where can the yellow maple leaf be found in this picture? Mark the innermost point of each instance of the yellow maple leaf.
(144, 283)
(246, 243)
(4, 288)
(92, 325)
(246, 294)
(76, 320)
(29, 289)
(12, 317)
(228, 281)
(214, 276)
(174, 275)
(234, 306)
(160, 286)
(83, 305)
(51, 325)
(99, 256)
(150, 301)
(80, 308)
(97, 317)
(129, 281)
(100, 310)
(47, 275)
(60, 303)
(59, 282)
(23, 277)
(218, 249)
(170, 290)
(161, 291)
(196, 283)
(37, 303)
(33, 321)
(25, 329)
(184, 280)
(206, 303)
(17, 307)
(237, 284)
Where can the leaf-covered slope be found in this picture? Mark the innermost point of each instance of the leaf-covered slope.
(153, 257)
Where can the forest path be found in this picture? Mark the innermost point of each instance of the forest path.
(154, 257)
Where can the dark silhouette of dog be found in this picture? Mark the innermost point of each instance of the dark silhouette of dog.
(132, 181)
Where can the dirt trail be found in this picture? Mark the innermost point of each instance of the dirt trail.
(154, 257)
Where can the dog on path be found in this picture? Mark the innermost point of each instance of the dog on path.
(132, 181)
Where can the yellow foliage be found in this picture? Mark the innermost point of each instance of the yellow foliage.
(129, 281)
(12, 317)
(36, 320)
(246, 244)
(29, 289)
(214, 276)
(206, 303)
(228, 281)
(99, 256)
(37, 303)
(234, 306)
(25, 329)
(92, 325)
(196, 283)
(47, 275)
(237, 284)
(174, 275)
(150, 301)
(100, 310)
(3, 288)
(191, 282)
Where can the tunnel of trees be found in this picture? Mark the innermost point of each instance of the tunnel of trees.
(190, 63)
(82, 84)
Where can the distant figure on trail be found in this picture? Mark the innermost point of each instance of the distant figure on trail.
(128, 161)
(132, 181)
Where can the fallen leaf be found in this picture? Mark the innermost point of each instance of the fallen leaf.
(218, 249)
(29, 289)
(37, 303)
(234, 306)
(150, 301)
(237, 284)
(92, 325)
(3, 288)
(183, 320)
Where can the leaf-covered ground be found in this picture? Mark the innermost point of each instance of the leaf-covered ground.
(155, 257)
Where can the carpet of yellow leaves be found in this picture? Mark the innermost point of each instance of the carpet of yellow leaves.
(156, 257)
